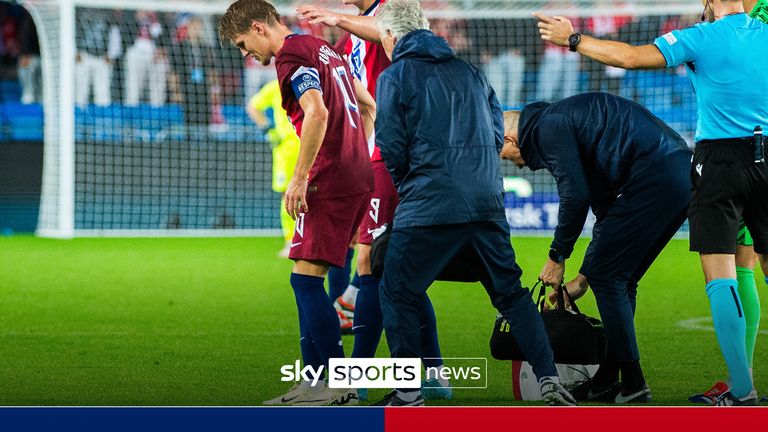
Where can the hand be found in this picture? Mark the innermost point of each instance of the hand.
(296, 197)
(555, 29)
(575, 288)
(317, 15)
(552, 273)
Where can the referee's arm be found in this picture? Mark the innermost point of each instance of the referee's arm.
(619, 54)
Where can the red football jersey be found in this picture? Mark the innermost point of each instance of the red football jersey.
(367, 60)
(342, 166)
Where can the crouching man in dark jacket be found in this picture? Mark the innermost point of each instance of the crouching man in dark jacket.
(635, 172)
(440, 130)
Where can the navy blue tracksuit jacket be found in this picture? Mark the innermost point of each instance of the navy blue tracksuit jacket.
(634, 171)
(440, 130)
(590, 143)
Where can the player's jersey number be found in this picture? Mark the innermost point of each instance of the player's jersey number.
(342, 79)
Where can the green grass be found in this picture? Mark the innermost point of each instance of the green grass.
(210, 322)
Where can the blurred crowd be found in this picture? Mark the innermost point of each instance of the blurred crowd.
(20, 51)
(143, 57)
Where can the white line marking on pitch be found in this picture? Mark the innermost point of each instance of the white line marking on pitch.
(703, 324)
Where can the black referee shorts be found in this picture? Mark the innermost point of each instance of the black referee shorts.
(727, 185)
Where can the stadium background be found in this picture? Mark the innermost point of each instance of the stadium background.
(205, 321)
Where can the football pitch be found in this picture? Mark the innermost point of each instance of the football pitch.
(210, 322)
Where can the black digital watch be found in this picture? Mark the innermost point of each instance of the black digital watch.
(573, 41)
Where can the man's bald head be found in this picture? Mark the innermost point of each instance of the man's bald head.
(511, 151)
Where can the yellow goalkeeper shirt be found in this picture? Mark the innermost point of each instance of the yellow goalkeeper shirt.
(285, 142)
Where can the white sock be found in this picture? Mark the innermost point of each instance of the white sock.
(555, 379)
(409, 396)
(350, 295)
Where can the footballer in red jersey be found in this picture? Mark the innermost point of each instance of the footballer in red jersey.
(367, 60)
(333, 114)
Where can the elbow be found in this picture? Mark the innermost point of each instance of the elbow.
(631, 60)
(372, 114)
(368, 109)
(317, 114)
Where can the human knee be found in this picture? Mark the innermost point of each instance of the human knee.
(745, 257)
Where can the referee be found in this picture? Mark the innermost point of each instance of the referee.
(725, 61)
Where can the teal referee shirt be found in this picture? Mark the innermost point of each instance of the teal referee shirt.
(727, 62)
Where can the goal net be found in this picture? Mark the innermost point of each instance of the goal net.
(147, 133)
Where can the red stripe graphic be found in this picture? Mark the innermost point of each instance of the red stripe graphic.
(573, 419)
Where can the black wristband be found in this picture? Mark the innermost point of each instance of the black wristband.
(555, 256)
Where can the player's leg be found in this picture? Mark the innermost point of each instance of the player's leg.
(338, 277)
(378, 217)
(338, 281)
(349, 297)
(317, 340)
(714, 217)
(415, 256)
(369, 322)
(750, 300)
(745, 277)
(764, 265)
(303, 392)
(321, 240)
(307, 280)
(500, 276)
(756, 221)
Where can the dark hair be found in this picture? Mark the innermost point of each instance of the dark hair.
(241, 14)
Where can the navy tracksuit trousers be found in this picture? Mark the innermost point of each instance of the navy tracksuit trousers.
(628, 236)
(415, 257)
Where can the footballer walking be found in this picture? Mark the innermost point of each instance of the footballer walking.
(367, 60)
(328, 195)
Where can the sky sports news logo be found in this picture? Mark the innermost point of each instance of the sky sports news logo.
(463, 373)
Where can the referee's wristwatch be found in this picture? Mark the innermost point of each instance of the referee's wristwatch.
(573, 41)
(556, 256)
